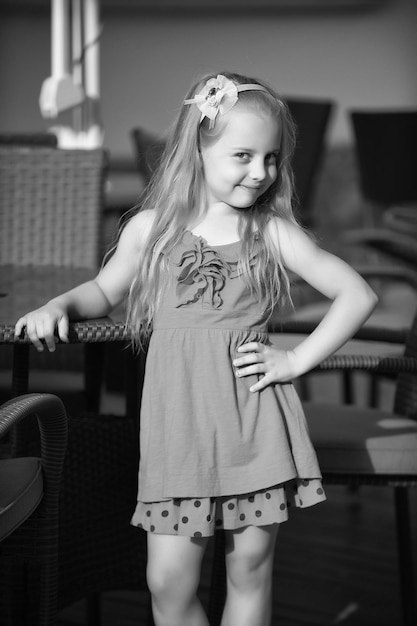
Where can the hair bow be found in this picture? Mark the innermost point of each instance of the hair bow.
(218, 96)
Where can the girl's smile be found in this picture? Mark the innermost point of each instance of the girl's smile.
(241, 165)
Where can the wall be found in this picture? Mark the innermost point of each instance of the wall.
(358, 58)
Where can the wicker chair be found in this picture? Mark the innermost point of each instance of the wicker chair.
(386, 150)
(312, 117)
(369, 446)
(51, 215)
(51, 205)
(361, 446)
(98, 548)
(29, 511)
(386, 153)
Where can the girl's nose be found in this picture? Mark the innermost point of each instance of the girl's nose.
(257, 171)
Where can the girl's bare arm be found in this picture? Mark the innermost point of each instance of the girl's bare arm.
(352, 303)
(95, 298)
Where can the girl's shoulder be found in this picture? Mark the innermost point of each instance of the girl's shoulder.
(290, 239)
(142, 219)
(282, 230)
(138, 227)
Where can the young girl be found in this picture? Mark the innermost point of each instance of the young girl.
(224, 443)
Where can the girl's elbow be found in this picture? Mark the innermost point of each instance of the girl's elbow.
(370, 298)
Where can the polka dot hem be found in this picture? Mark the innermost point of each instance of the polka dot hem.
(200, 517)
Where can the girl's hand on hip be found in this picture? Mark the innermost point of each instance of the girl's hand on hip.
(41, 325)
(275, 366)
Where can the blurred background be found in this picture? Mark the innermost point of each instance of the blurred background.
(354, 54)
(358, 53)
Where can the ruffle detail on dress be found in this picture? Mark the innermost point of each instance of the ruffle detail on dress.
(203, 274)
(201, 517)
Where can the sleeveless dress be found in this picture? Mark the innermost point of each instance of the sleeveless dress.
(212, 453)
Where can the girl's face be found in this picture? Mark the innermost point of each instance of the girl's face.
(242, 163)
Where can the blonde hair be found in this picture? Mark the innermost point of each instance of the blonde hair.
(176, 193)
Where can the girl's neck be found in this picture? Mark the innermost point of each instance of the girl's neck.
(218, 226)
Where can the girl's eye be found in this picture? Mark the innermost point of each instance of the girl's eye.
(242, 156)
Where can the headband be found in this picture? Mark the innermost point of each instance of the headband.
(219, 95)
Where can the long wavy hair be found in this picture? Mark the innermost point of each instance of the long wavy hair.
(176, 194)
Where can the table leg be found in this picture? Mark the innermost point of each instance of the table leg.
(20, 374)
(94, 354)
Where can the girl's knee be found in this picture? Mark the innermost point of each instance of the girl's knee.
(169, 579)
(249, 563)
(173, 568)
(159, 578)
(246, 571)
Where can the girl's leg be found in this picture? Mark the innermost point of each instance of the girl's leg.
(249, 563)
(173, 575)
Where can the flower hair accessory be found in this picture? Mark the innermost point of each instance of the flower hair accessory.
(219, 96)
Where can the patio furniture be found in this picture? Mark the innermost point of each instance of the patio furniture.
(51, 204)
(29, 509)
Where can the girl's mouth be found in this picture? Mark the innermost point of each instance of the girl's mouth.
(251, 187)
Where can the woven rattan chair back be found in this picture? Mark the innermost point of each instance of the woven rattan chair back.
(386, 150)
(312, 117)
(50, 206)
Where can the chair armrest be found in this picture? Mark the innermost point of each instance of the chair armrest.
(53, 428)
(379, 364)
(98, 330)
